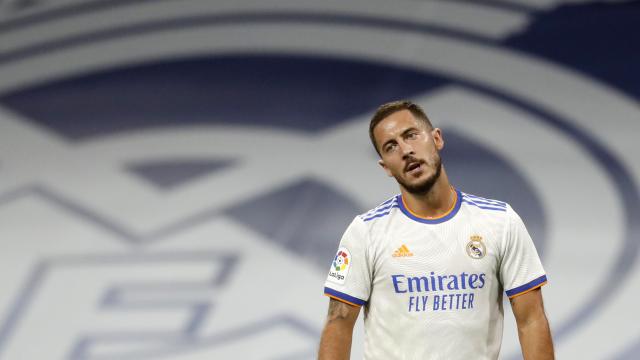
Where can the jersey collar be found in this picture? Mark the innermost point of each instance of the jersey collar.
(448, 215)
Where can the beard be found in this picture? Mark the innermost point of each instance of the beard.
(423, 187)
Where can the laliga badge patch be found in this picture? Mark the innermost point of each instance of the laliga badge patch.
(340, 266)
(476, 248)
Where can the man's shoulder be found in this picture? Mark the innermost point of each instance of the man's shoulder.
(382, 211)
(485, 205)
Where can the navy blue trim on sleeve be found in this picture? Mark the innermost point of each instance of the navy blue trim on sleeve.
(344, 297)
(528, 286)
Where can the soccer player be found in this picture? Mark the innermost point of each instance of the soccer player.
(430, 265)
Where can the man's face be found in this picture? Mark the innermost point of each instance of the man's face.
(409, 151)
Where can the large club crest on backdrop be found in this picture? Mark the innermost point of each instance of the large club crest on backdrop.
(256, 121)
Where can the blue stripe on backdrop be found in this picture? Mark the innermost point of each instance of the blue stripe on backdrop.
(184, 92)
(592, 38)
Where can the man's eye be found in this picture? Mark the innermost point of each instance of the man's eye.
(412, 135)
(390, 147)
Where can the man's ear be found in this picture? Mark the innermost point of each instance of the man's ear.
(436, 133)
(384, 166)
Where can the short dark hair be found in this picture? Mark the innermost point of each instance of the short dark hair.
(386, 110)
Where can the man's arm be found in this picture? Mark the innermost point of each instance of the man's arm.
(335, 343)
(533, 327)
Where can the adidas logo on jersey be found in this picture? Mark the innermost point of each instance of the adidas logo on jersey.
(402, 251)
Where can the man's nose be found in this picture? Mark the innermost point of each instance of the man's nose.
(406, 149)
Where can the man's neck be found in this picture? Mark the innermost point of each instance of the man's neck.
(435, 203)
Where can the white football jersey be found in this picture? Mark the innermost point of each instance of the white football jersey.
(432, 288)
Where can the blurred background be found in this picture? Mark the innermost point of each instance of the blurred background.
(175, 175)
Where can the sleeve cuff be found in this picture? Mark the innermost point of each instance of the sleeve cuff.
(531, 285)
(345, 298)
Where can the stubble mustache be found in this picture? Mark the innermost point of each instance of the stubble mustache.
(424, 187)
(410, 160)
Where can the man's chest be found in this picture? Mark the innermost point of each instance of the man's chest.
(466, 251)
(444, 270)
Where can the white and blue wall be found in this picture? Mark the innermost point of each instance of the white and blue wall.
(175, 175)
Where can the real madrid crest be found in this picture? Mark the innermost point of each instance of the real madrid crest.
(476, 248)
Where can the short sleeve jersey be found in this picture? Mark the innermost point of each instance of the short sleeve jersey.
(433, 288)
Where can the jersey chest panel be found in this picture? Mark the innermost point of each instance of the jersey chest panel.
(448, 269)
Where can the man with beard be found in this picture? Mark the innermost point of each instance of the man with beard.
(430, 264)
